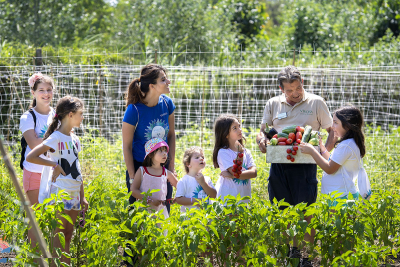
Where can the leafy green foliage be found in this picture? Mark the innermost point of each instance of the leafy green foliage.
(353, 233)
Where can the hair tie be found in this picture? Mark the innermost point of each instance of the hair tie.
(138, 79)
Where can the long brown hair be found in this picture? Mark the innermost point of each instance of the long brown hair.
(222, 127)
(353, 122)
(43, 79)
(64, 106)
(139, 87)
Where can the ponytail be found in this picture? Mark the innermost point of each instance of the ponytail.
(52, 127)
(134, 94)
(139, 87)
(352, 121)
(33, 103)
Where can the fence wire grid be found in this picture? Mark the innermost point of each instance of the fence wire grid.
(200, 94)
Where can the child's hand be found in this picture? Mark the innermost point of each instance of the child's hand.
(321, 145)
(154, 202)
(226, 174)
(306, 148)
(57, 171)
(84, 204)
(200, 178)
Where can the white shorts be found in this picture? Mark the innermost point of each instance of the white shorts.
(69, 204)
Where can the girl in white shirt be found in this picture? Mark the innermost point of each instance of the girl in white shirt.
(228, 144)
(63, 147)
(341, 168)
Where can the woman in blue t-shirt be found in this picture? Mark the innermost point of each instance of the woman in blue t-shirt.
(149, 114)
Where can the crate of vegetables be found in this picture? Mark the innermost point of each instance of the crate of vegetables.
(284, 147)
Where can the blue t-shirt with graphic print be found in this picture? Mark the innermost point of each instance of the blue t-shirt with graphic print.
(153, 122)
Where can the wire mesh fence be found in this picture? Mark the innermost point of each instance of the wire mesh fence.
(201, 93)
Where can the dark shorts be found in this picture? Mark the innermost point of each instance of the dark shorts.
(132, 199)
(296, 183)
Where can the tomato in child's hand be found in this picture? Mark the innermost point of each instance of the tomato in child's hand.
(239, 163)
(289, 151)
(240, 155)
(282, 144)
(236, 175)
(239, 172)
(288, 157)
(294, 152)
(292, 136)
(239, 168)
(295, 148)
(234, 169)
(289, 141)
(234, 161)
(298, 141)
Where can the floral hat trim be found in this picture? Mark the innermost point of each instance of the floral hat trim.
(34, 78)
(153, 144)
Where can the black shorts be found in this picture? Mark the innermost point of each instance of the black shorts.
(132, 199)
(296, 183)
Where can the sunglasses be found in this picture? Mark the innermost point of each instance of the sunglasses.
(82, 222)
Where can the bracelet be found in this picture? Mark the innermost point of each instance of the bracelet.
(54, 166)
(191, 201)
(259, 141)
(326, 150)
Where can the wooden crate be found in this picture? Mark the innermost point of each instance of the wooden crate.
(278, 154)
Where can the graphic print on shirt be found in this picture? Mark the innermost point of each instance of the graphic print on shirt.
(43, 131)
(242, 182)
(74, 169)
(199, 192)
(157, 129)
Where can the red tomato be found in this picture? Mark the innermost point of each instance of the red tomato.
(282, 139)
(275, 136)
(299, 135)
(294, 152)
(240, 155)
(282, 144)
(239, 172)
(236, 175)
(298, 129)
(295, 148)
(239, 168)
(292, 136)
(289, 141)
(288, 157)
(289, 151)
(302, 130)
(239, 163)
(234, 161)
(298, 141)
(292, 159)
(234, 169)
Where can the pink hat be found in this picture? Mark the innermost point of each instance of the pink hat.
(153, 144)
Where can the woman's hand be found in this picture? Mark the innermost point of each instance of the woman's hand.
(306, 148)
(226, 174)
(57, 171)
(84, 204)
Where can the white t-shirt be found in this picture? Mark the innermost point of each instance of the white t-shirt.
(42, 122)
(229, 186)
(66, 154)
(190, 188)
(344, 179)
